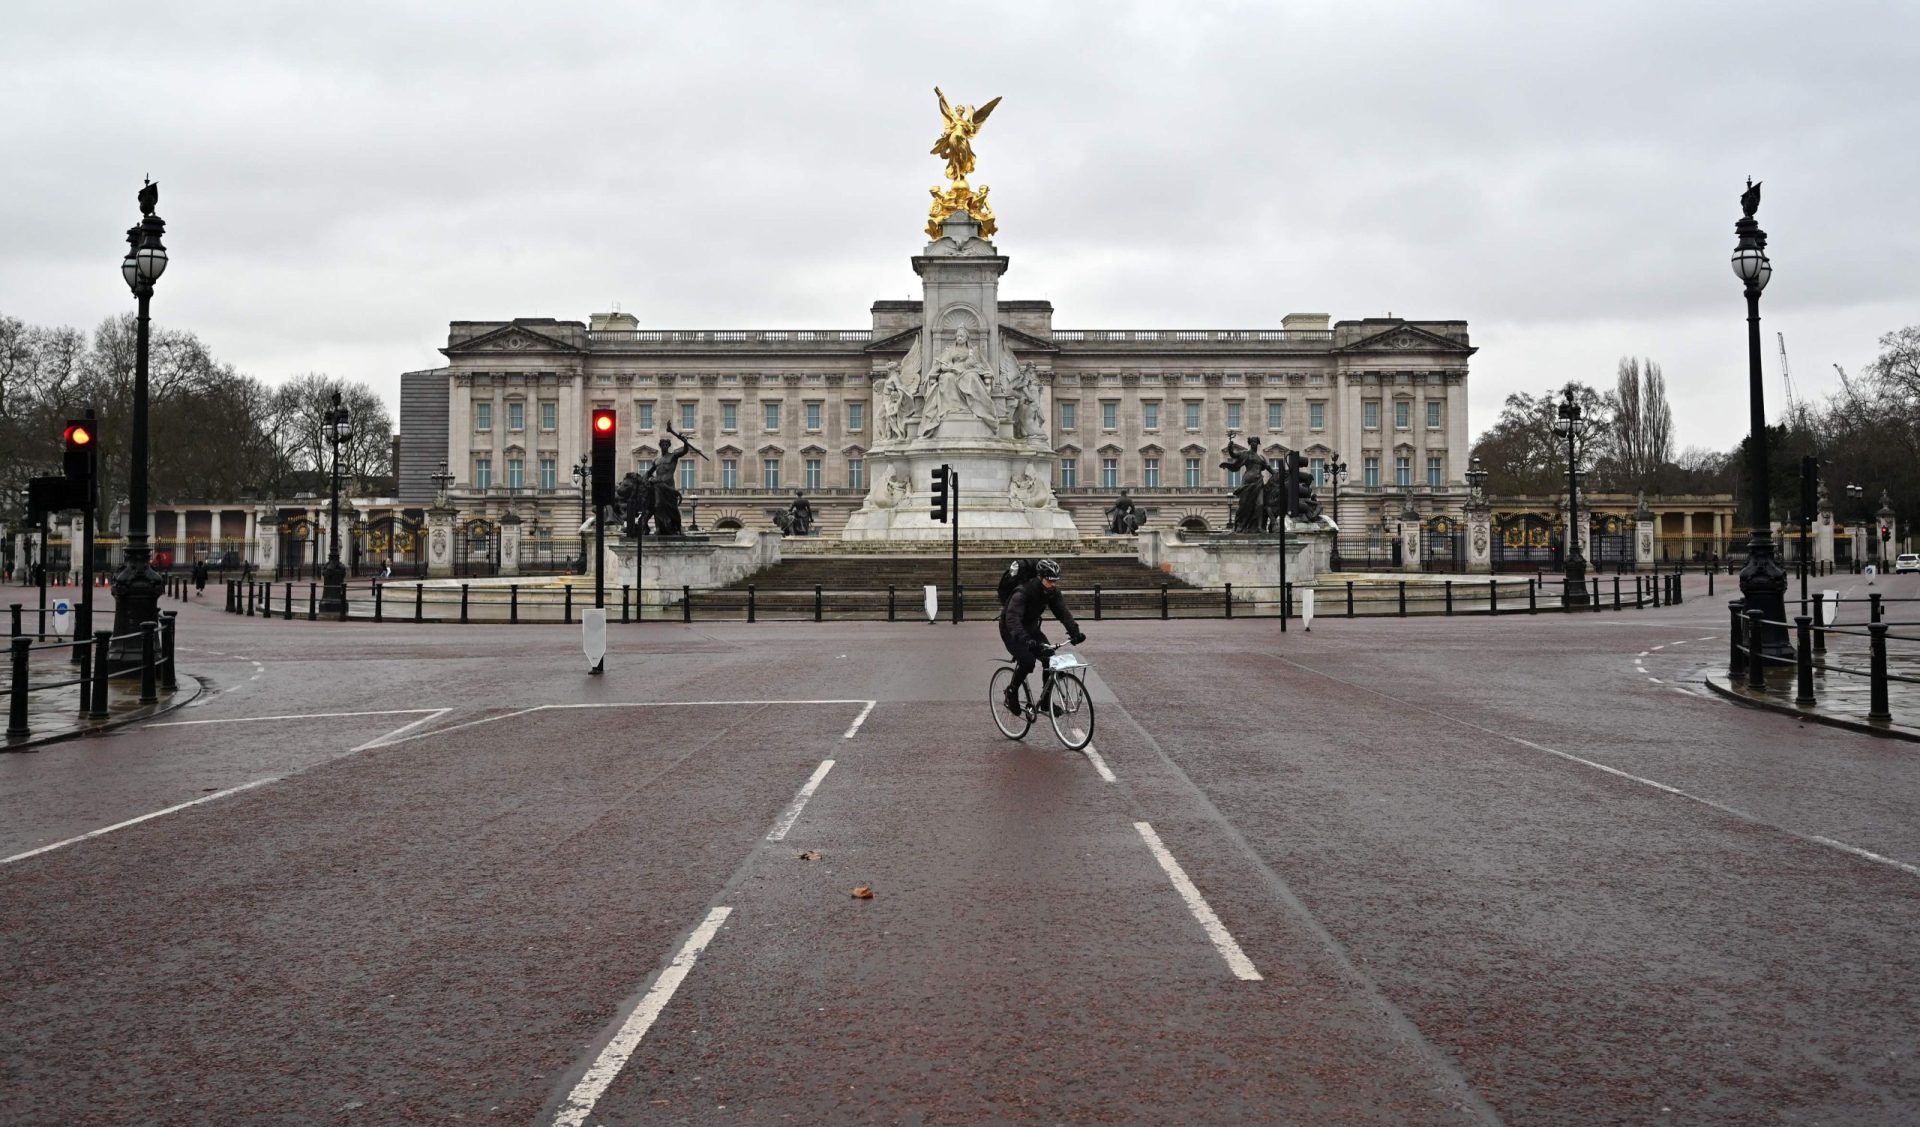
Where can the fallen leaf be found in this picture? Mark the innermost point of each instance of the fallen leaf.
(863, 893)
(809, 855)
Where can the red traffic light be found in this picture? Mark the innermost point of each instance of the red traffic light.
(78, 434)
(603, 421)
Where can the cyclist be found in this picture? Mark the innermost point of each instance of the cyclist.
(1020, 625)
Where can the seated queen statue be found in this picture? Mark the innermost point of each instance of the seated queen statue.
(957, 386)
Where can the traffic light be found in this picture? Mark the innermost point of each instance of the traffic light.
(941, 475)
(80, 458)
(603, 433)
(1886, 533)
(1809, 488)
(1302, 504)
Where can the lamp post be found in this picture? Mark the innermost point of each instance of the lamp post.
(1336, 471)
(333, 577)
(136, 586)
(1763, 583)
(583, 477)
(1573, 590)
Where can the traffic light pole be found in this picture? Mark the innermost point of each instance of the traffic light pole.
(953, 515)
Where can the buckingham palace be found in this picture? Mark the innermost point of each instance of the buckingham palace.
(776, 410)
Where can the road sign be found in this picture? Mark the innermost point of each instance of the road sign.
(933, 601)
(593, 635)
(62, 617)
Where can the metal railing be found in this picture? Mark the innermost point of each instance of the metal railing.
(155, 669)
(1748, 662)
(514, 603)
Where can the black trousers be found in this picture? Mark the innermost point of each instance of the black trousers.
(1025, 655)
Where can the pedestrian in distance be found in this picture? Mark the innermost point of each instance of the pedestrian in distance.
(199, 578)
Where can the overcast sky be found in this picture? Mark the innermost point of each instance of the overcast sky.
(342, 180)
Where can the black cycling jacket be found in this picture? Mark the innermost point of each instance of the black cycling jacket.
(1020, 618)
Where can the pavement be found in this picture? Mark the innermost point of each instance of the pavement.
(1476, 870)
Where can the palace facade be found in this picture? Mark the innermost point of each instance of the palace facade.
(778, 410)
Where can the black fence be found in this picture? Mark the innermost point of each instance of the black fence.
(1810, 638)
(90, 663)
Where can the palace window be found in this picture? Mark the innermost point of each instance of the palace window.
(1066, 415)
(483, 473)
(1433, 414)
(1193, 473)
(770, 473)
(688, 416)
(771, 411)
(1150, 473)
(856, 416)
(813, 473)
(1402, 470)
(1402, 414)
(483, 416)
(642, 466)
(516, 415)
(1317, 415)
(1318, 467)
(1193, 415)
(856, 473)
(1433, 470)
(1109, 473)
(549, 477)
(1277, 415)
(729, 416)
(1109, 415)
(1372, 478)
(813, 416)
(1150, 416)
(729, 473)
(549, 415)
(646, 416)
(1233, 416)
(516, 472)
(1370, 414)
(1069, 473)
(686, 475)
(1233, 479)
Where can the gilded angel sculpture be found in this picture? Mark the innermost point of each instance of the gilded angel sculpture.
(956, 136)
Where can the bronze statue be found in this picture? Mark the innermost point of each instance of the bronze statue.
(1124, 518)
(797, 519)
(1249, 497)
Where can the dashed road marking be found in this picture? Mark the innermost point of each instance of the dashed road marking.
(1093, 756)
(1223, 941)
(580, 1102)
(135, 821)
(792, 813)
(859, 720)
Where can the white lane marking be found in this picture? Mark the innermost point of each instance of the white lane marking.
(792, 813)
(381, 741)
(289, 716)
(613, 1058)
(1644, 653)
(1678, 689)
(135, 821)
(1710, 803)
(1223, 941)
(614, 704)
(1656, 680)
(859, 720)
(1093, 756)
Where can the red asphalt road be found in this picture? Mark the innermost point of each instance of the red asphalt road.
(1457, 912)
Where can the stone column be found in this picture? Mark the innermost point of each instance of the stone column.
(510, 543)
(213, 534)
(1891, 546)
(1643, 535)
(1479, 538)
(1823, 532)
(439, 533)
(264, 545)
(181, 558)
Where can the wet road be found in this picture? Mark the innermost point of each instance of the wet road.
(1394, 871)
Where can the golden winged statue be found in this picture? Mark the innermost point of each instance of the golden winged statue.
(956, 135)
(959, 124)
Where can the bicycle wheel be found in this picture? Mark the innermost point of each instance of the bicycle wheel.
(1072, 711)
(1013, 725)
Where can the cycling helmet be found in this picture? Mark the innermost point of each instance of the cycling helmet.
(1047, 569)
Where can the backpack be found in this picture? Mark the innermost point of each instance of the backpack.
(1018, 572)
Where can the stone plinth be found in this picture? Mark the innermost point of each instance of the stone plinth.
(1246, 561)
(1479, 539)
(668, 563)
(439, 521)
(991, 508)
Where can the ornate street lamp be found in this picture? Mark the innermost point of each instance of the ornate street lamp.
(583, 477)
(1336, 471)
(333, 577)
(136, 586)
(1476, 482)
(1763, 582)
(1574, 584)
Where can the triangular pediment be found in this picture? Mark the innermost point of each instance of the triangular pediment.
(1406, 338)
(511, 338)
(1025, 342)
(898, 342)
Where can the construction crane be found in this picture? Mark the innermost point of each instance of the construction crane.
(1786, 376)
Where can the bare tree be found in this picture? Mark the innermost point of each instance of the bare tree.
(1642, 430)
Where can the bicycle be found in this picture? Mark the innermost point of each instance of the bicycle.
(1063, 692)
